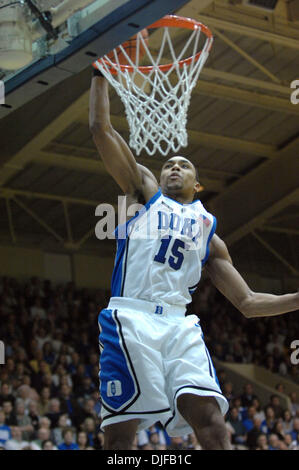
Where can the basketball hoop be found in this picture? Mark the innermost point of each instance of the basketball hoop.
(157, 96)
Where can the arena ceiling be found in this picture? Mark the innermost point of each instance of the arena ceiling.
(243, 137)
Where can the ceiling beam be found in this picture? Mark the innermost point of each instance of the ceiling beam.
(258, 220)
(249, 31)
(254, 83)
(287, 231)
(228, 143)
(152, 162)
(68, 224)
(247, 56)
(89, 165)
(38, 219)
(285, 217)
(10, 220)
(275, 253)
(26, 154)
(9, 193)
(215, 141)
(274, 184)
(250, 98)
(85, 237)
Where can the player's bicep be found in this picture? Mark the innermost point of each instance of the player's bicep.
(224, 276)
(118, 159)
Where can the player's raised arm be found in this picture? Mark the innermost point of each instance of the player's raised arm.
(115, 153)
(231, 284)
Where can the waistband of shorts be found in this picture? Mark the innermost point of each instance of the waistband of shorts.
(155, 308)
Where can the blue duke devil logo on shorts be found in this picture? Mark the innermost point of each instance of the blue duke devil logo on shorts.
(114, 388)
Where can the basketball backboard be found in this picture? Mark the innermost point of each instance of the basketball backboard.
(83, 30)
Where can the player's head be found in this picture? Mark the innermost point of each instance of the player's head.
(179, 177)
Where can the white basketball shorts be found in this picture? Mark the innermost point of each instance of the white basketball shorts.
(150, 355)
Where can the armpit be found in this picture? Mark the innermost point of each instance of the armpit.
(139, 197)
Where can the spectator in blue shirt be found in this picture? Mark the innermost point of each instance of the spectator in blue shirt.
(49, 355)
(248, 421)
(68, 441)
(295, 431)
(5, 432)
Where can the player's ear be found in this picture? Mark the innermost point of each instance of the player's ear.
(198, 187)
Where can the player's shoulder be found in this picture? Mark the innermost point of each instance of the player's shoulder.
(203, 210)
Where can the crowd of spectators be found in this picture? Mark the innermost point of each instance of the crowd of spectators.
(255, 427)
(49, 398)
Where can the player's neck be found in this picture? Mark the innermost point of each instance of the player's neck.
(181, 198)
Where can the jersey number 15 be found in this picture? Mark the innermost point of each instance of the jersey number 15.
(175, 260)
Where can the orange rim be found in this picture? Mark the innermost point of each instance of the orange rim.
(171, 21)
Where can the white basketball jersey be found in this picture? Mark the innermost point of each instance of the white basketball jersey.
(161, 251)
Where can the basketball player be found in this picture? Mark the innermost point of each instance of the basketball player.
(154, 364)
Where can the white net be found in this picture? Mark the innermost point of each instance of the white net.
(156, 100)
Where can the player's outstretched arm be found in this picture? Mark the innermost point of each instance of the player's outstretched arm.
(115, 153)
(231, 284)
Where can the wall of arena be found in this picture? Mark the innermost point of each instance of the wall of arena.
(85, 270)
